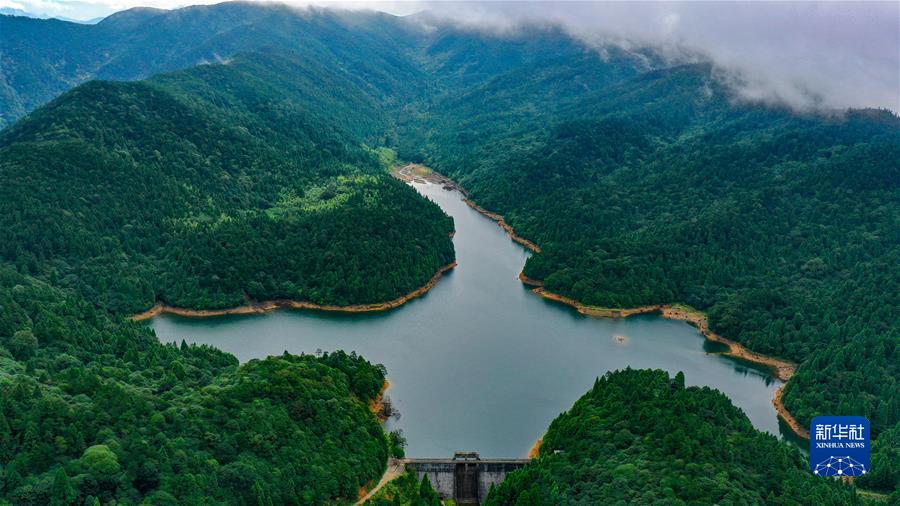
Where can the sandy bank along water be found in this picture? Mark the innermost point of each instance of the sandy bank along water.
(535, 450)
(376, 405)
(415, 173)
(782, 369)
(271, 305)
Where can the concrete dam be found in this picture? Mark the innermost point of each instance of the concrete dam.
(465, 478)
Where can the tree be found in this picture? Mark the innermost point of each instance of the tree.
(397, 444)
(263, 498)
(427, 495)
(6, 443)
(23, 344)
(63, 494)
(101, 461)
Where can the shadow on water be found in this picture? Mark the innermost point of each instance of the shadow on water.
(714, 347)
(746, 367)
(788, 436)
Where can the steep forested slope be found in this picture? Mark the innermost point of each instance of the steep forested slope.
(199, 188)
(215, 184)
(642, 183)
(43, 58)
(640, 436)
(93, 406)
(657, 189)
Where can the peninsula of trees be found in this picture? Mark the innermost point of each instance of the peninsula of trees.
(642, 437)
(207, 187)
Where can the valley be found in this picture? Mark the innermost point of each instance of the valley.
(480, 345)
(226, 229)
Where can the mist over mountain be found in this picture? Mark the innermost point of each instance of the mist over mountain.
(815, 59)
(811, 56)
(11, 11)
(215, 156)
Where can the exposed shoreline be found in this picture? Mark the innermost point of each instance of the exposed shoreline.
(781, 369)
(413, 173)
(786, 415)
(271, 305)
(416, 173)
(502, 223)
(376, 405)
(535, 450)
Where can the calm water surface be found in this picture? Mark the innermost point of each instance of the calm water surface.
(480, 363)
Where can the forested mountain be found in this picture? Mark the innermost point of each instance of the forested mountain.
(643, 183)
(211, 185)
(93, 407)
(43, 58)
(641, 437)
(199, 188)
(659, 188)
(655, 186)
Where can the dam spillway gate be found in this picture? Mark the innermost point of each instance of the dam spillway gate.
(466, 478)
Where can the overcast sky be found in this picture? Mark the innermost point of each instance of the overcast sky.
(806, 54)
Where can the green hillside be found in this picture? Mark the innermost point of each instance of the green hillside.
(199, 189)
(641, 437)
(93, 407)
(44, 58)
(260, 178)
(215, 184)
(660, 189)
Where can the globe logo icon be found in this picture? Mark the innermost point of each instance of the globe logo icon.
(840, 466)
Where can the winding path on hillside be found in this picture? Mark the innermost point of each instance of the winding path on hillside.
(395, 469)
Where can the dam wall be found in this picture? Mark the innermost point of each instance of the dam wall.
(466, 479)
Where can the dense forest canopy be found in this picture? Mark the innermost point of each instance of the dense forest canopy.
(641, 437)
(95, 408)
(784, 228)
(45, 57)
(655, 187)
(260, 177)
(257, 179)
(213, 185)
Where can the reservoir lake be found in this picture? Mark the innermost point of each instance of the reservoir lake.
(479, 363)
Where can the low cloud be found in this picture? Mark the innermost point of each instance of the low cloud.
(808, 55)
